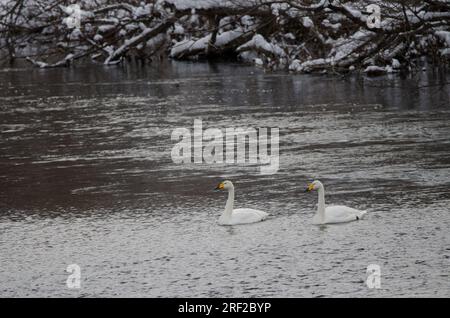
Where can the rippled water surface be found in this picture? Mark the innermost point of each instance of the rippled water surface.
(86, 178)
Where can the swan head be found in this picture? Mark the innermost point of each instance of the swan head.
(225, 185)
(315, 185)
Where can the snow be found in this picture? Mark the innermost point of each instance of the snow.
(178, 29)
(354, 12)
(199, 4)
(289, 36)
(105, 28)
(188, 45)
(131, 27)
(307, 66)
(142, 11)
(295, 65)
(307, 22)
(373, 69)
(226, 37)
(258, 62)
(247, 21)
(222, 39)
(98, 38)
(134, 40)
(395, 64)
(75, 34)
(328, 24)
(343, 47)
(258, 42)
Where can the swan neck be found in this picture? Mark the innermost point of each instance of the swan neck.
(230, 203)
(321, 204)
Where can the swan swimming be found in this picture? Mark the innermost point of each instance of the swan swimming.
(334, 213)
(237, 216)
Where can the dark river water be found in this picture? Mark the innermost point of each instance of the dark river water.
(87, 178)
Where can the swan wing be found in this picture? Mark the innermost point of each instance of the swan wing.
(245, 216)
(342, 213)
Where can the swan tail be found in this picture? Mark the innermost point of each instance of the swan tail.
(263, 216)
(362, 213)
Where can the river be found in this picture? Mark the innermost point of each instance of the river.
(87, 178)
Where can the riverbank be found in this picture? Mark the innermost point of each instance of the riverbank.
(296, 36)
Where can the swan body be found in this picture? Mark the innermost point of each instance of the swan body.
(333, 213)
(231, 216)
(243, 216)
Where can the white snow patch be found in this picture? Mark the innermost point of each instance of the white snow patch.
(199, 4)
(375, 69)
(201, 44)
(258, 62)
(307, 22)
(258, 42)
(98, 38)
(395, 64)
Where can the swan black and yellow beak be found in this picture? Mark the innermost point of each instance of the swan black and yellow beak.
(220, 186)
(310, 187)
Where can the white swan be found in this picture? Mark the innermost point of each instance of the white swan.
(237, 216)
(335, 213)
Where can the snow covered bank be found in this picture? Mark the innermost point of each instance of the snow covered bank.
(294, 35)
